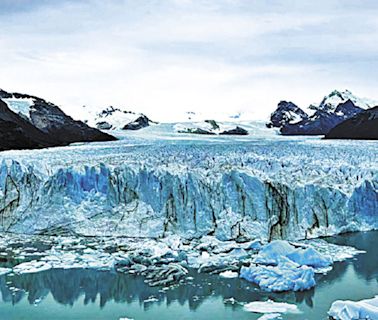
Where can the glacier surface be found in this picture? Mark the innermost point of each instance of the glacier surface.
(156, 183)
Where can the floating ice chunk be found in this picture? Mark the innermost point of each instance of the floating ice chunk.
(286, 276)
(270, 316)
(352, 310)
(151, 300)
(271, 307)
(231, 300)
(229, 274)
(5, 271)
(32, 267)
(272, 253)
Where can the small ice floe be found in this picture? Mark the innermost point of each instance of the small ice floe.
(231, 300)
(151, 300)
(126, 319)
(229, 274)
(351, 310)
(271, 308)
(32, 267)
(270, 316)
(5, 271)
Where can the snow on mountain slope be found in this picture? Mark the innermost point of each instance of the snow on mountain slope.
(112, 118)
(21, 106)
(227, 187)
(331, 101)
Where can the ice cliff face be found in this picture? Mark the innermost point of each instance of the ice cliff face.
(245, 197)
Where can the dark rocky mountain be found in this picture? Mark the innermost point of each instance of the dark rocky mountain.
(335, 108)
(363, 126)
(286, 113)
(322, 121)
(28, 122)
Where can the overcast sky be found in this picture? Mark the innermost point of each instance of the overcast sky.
(170, 56)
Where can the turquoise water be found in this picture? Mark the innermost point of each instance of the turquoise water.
(89, 294)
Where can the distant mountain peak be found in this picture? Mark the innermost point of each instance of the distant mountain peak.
(336, 97)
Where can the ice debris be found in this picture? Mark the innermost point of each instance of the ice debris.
(274, 251)
(166, 262)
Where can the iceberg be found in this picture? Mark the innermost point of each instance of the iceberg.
(286, 276)
(354, 310)
(229, 274)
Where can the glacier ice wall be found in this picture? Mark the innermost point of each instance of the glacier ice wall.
(144, 201)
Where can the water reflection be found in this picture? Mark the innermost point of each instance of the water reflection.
(67, 286)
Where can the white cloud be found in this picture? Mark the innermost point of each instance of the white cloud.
(168, 57)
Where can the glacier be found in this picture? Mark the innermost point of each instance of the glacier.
(154, 184)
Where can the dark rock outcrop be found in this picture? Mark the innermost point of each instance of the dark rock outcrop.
(213, 123)
(196, 131)
(239, 131)
(45, 125)
(139, 123)
(362, 126)
(103, 125)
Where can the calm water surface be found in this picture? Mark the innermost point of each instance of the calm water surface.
(90, 295)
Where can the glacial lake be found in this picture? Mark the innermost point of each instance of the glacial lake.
(90, 294)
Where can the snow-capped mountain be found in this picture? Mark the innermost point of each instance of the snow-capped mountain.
(335, 108)
(286, 113)
(31, 122)
(335, 98)
(112, 118)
